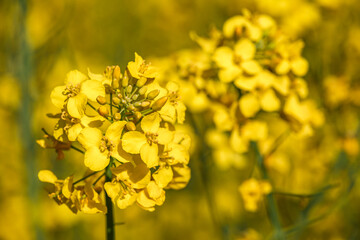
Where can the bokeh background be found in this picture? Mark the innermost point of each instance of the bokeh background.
(40, 41)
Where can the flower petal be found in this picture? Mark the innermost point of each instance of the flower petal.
(132, 141)
(75, 77)
(47, 176)
(165, 136)
(74, 131)
(95, 159)
(149, 154)
(114, 131)
(57, 96)
(151, 123)
(76, 105)
(90, 137)
(92, 89)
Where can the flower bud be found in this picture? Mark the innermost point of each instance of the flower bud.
(137, 115)
(125, 80)
(159, 103)
(129, 89)
(135, 96)
(141, 82)
(117, 116)
(142, 90)
(101, 100)
(130, 126)
(103, 111)
(145, 104)
(153, 94)
(116, 100)
(117, 73)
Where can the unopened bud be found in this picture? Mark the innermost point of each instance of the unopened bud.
(153, 94)
(101, 100)
(117, 116)
(116, 100)
(159, 103)
(125, 80)
(103, 111)
(130, 126)
(145, 104)
(142, 90)
(137, 115)
(117, 73)
(141, 82)
(131, 107)
(129, 89)
(135, 96)
(119, 95)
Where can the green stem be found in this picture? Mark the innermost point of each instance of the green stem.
(272, 207)
(81, 179)
(110, 230)
(77, 149)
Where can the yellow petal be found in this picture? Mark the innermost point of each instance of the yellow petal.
(57, 96)
(74, 131)
(47, 176)
(232, 23)
(151, 123)
(95, 159)
(246, 83)
(168, 112)
(133, 67)
(237, 142)
(132, 141)
(254, 130)
(144, 200)
(179, 153)
(251, 67)
(283, 67)
(112, 189)
(269, 101)
(165, 136)
(153, 190)
(93, 122)
(299, 66)
(180, 112)
(92, 89)
(245, 49)
(75, 77)
(126, 200)
(149, 154)
(163, 176)
(90, 137)
(119, 153)
(223, 57)
(249, 105)
(114, 131)
(76, 105)
(67, 187)
(229, 74)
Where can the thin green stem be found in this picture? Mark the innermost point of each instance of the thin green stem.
(77, 149)
(92, 106)
(110, 227)
(272, 207)
(82, 179)
(94, 183)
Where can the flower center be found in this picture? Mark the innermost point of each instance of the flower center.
(71, 90)
(106, 144)
(151, 138)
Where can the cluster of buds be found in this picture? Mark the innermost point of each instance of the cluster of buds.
(126, 126)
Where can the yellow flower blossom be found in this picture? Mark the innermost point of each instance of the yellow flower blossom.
(146, 142)
(140, 69)
(252, 192)
(99, 148)
(75, 93)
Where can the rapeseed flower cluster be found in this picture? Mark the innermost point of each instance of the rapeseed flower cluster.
(245, 78)
(125, 124)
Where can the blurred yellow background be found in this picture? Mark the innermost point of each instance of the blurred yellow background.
(40, 41)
